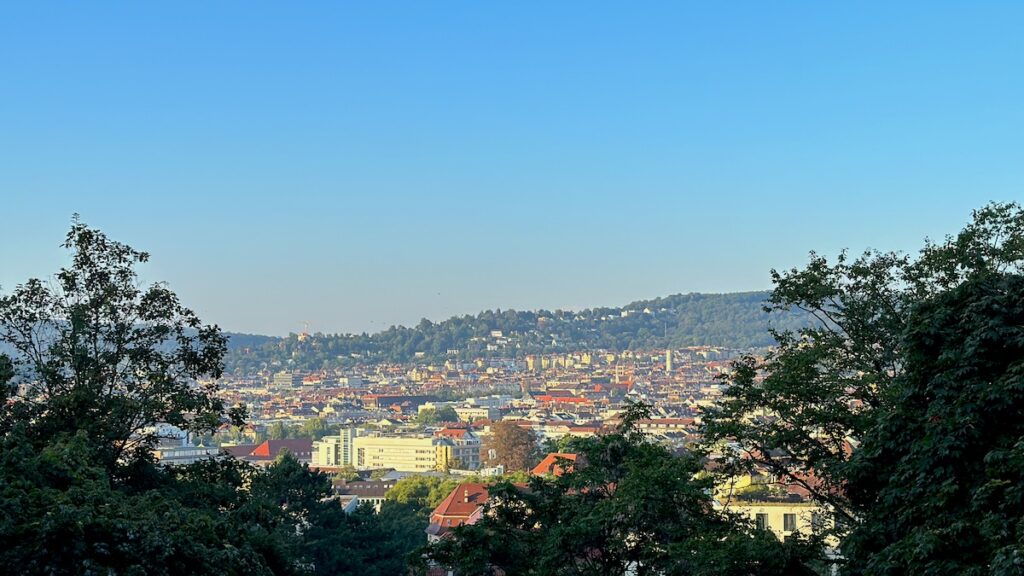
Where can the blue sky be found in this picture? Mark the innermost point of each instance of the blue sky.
(359, 165)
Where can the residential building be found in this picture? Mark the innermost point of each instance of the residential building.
(555, 464)
(371, 491)
(287, 380)
(458, 448)
(473, 413)
(463, 506)
(184, 454)
(267, 452)
(784, 518)
(337, 450)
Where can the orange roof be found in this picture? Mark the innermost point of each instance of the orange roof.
(457, 508)
(550, 465)
(271, 448)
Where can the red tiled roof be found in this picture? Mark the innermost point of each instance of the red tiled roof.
(460, 505)
(239, 451)
(271, 448)
(550, 465)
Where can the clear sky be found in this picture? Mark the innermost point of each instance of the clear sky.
(363, 164)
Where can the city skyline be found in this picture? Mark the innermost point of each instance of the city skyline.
(358, 167)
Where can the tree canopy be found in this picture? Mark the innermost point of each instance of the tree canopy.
(432, 416)
(897, 406)
(730, 320)
(103, 357)
(626, 506)
(940, 474)
(99, 363)
(511, 446)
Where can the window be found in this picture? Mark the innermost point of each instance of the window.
(789, 522)
(762, 521)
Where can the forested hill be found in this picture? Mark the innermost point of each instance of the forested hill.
(730, 320)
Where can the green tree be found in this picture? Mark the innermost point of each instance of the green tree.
(628, 506)
(107, 358)
(562, 444)
(278, 431)
(940, 474)
(102, 361)
(348, 473)
(314, 428)
(434, 416)
(62, 513)
(422, 492)
(801, 410)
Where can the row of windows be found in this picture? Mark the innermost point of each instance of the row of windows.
(788, 522)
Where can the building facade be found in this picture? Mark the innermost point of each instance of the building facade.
(337, 450)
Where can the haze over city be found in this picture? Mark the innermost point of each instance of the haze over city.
(362, 166)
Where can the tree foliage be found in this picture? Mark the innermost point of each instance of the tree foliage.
(433, 416)
(730, 320)
(107, 358)
(940, 474)
(99, 362)
(801, 410)
(899, 406)
(422, 492)
(627, 506)
(511, 446)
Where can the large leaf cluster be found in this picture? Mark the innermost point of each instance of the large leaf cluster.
(97, 363)
(627, 506)
(801, 411)
(941, 473)
(101, 355)
(899, 407)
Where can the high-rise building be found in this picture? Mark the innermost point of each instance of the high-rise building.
(287, 379)
(337, 450)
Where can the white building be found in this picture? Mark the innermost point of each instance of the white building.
(337, 450)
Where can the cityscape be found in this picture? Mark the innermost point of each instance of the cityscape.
(531, 289)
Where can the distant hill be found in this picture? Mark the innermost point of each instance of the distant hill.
(730, 320)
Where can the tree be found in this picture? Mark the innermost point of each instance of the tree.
(424, 493)
(801, 410)
(434, 416)
(347, 473)
(512, 446)
(560, 445)
(940, 474)
(628, 506)
(99, 362)
(278, 431)
(107, 358)
(314, 428)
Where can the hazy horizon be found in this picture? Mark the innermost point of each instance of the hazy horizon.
(363, 166)
(313, 329)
